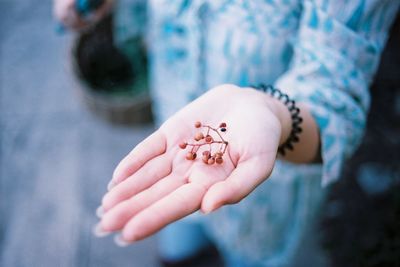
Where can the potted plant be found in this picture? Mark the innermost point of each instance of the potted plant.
(113, 84)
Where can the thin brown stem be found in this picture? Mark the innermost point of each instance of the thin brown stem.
(209, 140)
(213, 142)
(226, 145)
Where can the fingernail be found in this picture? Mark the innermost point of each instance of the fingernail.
(211, 209)
(110, 185)
(204, 211)
(207, 211)
(99, 232)
(100, 212)
(120, 241)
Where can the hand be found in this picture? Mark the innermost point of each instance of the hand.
(65, 12)
(155, 184)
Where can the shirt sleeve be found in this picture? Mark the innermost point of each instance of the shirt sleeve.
(336, 54)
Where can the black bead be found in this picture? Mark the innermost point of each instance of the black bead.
(294, 112)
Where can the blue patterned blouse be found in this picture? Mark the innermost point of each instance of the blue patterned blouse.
(322, 52)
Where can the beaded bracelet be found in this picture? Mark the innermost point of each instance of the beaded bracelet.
(294, 112)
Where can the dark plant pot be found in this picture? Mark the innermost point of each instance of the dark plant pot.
(112, 85)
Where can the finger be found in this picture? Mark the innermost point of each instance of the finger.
(180, 203)
(118, 216)
(241, 182)
(104, 10)
(78, 23)
(71, 18)
(149, 174)
(149, 148)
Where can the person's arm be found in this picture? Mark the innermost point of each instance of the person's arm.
(307, 149)
(336, 54)
(333, 63)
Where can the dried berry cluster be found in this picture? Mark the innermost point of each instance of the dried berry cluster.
(207, 140)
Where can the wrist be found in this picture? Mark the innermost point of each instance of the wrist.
(297, 124)
(289, 117)
(282, 113)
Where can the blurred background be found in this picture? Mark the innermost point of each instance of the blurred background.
(65, 126)
(56, 157)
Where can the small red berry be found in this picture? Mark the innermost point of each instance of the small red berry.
(190, 156)
(207, 157)
(183, 145)
(198, 136)
(209, 139)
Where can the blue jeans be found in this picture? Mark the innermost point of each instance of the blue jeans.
(181, 240)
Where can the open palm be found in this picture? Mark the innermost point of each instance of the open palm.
(155, 184)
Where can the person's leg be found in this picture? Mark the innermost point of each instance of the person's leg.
(182, 240)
